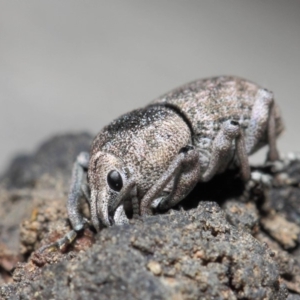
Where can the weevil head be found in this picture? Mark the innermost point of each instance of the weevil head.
(107, 176)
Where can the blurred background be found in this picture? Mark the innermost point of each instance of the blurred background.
(72, 66)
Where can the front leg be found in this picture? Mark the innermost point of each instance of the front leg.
(75, 217)
(184, 171)
(79, 171)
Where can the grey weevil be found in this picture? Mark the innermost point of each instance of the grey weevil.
(153, 157)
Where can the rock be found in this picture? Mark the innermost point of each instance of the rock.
(244, 216)
(54, 157)
(43, 175)
(217, 249)
(154, 267)
(233, 264)
(284, 232)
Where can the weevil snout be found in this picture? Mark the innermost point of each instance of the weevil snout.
(106, 178)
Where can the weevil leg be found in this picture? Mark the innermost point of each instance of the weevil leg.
(76, 191)
(273, 154)
(279, 168)
(285, 161)
(61, 243)
(188, 158)
(262, 120)
(120, 217)
(222, 151)
(165, 193)
(243, 157)
(258, 179)
(135, 203)
(129, 191)
(183, 183)
(79, 171)
(86, 193)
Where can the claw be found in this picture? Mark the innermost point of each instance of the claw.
(155, 203)
(61, 244)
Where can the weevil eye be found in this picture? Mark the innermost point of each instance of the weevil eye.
(114, 180)
(234, 123)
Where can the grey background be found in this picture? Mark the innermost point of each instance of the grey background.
(69, 66)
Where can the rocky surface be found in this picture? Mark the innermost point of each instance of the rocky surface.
(214, 246)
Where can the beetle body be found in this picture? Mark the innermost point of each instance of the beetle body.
(208, 103)
(152, 157)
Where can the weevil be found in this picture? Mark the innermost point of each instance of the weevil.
(154, 156)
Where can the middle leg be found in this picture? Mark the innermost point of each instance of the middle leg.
(262, 125)
(223, 151)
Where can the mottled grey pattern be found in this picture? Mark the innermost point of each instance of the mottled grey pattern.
(208, 103)
(146, 140)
